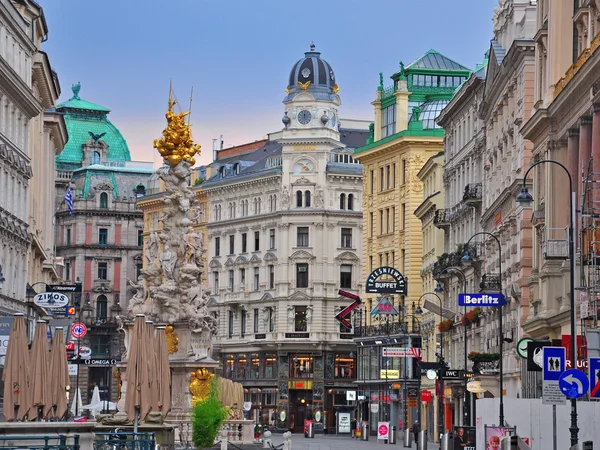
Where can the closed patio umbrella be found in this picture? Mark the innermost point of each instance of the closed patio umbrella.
(137, 400)
(40, 373)
(59, 371)
(164, 372)
(77, 405)
(151, 353)
(17, 392)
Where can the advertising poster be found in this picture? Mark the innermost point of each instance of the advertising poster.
(344, 423)
(383, 430)
(5, 326)
(494, 435)
(464, 438)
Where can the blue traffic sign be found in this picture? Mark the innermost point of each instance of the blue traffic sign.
(594, 377)
(480, 300)
(554, 360)
(574, 383)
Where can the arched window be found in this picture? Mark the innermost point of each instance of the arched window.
(274, 203)
(307, 198)
(350, 202)
(299, 199)
(104, 200)
(236, 169)
(101, 308)
(96, 159)
(343, 201)
(216, 212)
(223, 171)
(259, 205)
(234, 210)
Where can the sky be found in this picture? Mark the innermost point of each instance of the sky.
(237, 54)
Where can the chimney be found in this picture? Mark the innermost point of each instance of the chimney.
(215, 149)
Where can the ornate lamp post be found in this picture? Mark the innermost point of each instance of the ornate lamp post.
(525, 199)
(467, 258)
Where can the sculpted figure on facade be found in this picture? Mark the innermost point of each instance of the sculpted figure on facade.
(319, 198)
(285, 198)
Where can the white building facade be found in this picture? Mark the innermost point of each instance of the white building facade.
(284, 237)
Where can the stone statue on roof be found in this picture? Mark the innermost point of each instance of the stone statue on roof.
(402, 71)
(381, 79)
(76, 88)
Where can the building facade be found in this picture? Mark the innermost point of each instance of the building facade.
(101, 240)
(284, 236)
(565, 127)
(507, 105)
(405, 136)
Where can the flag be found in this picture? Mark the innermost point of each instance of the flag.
(69, 200)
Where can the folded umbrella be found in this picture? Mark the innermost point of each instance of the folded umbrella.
(40, 373)
(59, 374)
(17, 392)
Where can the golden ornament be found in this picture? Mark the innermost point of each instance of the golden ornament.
(303, 86)
(200, 385)
(172, 339)
(336, 88)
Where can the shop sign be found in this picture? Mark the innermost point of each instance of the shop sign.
(412, 402)
(389, 373)
(396, 286)
(351, 396)
(344, 425)
(374, 407)
(400, 352)
(426, 396)
(51, 300)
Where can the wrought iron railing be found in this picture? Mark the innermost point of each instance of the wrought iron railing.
(119, 440)
(60, 442)
(490, 282)
(473, 193)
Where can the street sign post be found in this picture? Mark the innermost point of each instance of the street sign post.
(595, 378)
(341, 316)
(574, 383)
(481, 300)
(553, 365)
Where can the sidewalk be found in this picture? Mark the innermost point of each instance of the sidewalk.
(328, 442)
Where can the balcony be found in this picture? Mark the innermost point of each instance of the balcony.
(441, 219)
(473, 194)
(555, 243)
(490, 282)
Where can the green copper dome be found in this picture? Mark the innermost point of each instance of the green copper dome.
(85, 121)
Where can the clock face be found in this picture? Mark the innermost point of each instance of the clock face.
(304, 166)
(304, 117)
(431, 374)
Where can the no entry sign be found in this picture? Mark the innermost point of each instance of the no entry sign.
(78, 330)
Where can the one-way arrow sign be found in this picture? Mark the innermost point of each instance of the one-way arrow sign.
(341, 316)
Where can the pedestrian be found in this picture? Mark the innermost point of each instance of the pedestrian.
(353, 426)
(415, 430)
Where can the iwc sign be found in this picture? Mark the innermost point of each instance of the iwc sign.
(393, 283)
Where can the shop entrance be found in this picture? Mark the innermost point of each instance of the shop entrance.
(300, 409)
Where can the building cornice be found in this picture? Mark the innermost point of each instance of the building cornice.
(400, 141)
(463, 97)
(18, 91)
(277, 216)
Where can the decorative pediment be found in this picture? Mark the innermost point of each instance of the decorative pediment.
(301, 255)
(241, 260)
(347, 257)
(270, 257)
(266, 297)
(299, 296)
(214, 264)
(303, 181)
(255, 260)
(229, 262)
(103, 187)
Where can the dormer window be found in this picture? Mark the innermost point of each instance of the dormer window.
(236, 169)
(95, 158)
(223, 171)
(104, 200)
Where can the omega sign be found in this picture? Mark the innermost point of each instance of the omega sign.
(395, 286)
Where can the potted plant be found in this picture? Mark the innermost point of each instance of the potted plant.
(445, 325)
(471, 316)
(208, 417)
(483, 357)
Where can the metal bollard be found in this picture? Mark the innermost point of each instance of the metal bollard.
(311, 431)
(364, 432)
(407, 438)
(446, 443)
(392, 436)
(422, 442)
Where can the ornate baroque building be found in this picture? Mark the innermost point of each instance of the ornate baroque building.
(564, 126)
(101, 241)
(284, 236)
(405, 136)
(508, 102)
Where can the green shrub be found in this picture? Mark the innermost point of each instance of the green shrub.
(208, 417)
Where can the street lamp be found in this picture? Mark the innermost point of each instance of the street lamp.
(525, 199)
(463, 277)
(441, 425)
(467, 258)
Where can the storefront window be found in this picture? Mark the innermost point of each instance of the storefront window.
(344, 366)
(241, 367)
(301, 366)
(300, 319)
(270, 365)
(254, 366)
(228, 372)
(373, 364)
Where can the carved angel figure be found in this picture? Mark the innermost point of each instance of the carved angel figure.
(285, 198)
(141, 292)
(291, 315)
(309, 312)
(152, 247)
(168, 258)
(319, 198)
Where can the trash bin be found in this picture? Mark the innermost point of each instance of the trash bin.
(364, 432)
(447, 443)
(407, 437)
(392, 439)
(422, 443)
(311, 430)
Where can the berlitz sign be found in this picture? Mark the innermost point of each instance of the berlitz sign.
(395, 286)
(480, 300)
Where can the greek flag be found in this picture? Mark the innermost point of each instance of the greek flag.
(69, 200)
